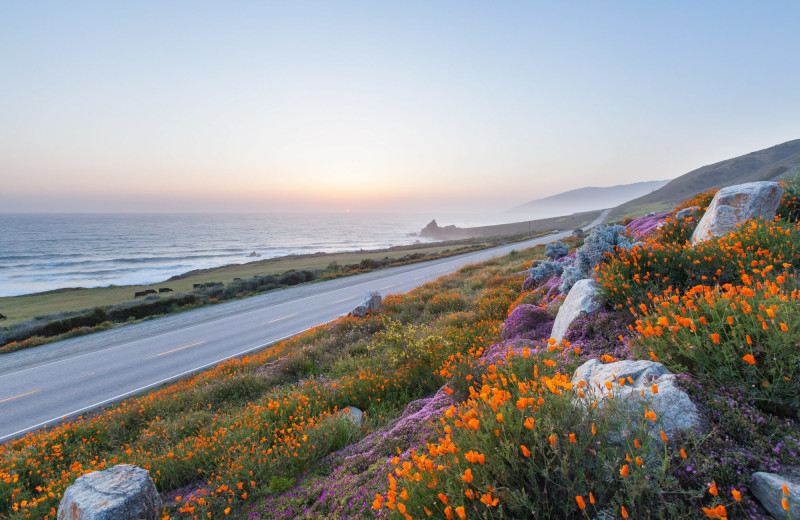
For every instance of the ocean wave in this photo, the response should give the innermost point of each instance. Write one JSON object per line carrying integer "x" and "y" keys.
{"x": 44, "y": 252}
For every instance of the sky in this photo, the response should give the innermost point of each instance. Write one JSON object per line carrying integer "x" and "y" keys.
{"x": 378, "y": 105}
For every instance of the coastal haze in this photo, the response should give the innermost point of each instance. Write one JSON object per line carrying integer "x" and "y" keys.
{"x": 68, "y": 378}
{"x": 378, "y": 107}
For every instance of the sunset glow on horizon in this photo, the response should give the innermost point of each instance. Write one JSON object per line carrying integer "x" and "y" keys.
{"x": 334, "y": 106}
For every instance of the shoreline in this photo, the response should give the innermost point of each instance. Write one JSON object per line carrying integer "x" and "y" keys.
{"x": 26, "y": 306}
{"x": 66, "y": 299}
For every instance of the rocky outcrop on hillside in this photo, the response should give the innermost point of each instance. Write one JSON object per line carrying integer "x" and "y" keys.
{"x": 582, "y": 298}
{"x": 372, "y": 302}
{"x": 640, "y": 385}
{"x": 736, "y": 204}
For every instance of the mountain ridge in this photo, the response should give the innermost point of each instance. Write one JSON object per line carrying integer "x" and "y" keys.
{"x": 769, "y": 164}
{"x": 590, "y": 197}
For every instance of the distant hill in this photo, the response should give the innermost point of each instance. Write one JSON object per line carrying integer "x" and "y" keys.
{"x": 775, "y": 163}
{"x": 587, "y": 199}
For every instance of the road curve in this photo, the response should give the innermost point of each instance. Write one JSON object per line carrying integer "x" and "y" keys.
{"x": 43, "y": 385}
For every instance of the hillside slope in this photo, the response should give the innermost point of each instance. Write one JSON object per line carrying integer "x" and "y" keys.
{"x": 590, "y": 198}
{"x": 774, "y": 163}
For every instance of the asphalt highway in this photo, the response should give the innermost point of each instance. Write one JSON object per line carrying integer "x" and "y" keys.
{"x": 44, "y": 385}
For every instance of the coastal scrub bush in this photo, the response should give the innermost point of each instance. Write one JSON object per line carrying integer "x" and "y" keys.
{"x": 743, "y": 336}
{"x": 604, "y": 240}
{"x": 296, "y": 277}
{"x": 555, "y": 250}
{"x": 406, "y": 343}
{"x": 545, "y": 270}
{"x": 569, "y": 277}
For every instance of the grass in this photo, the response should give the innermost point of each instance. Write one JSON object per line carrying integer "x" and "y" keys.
{"x": 19, "y": 308}
{"x": 466, "y": 417}
{"x": 231, "y": 431}
{"x": 24, "y": 307}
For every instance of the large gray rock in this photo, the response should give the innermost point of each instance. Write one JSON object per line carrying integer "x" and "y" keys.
{"x": 372, "y": 301}
{"x": 768, "y": 489}
{"x": 124, "y": 492}
{"x": 736, "y": 204}
{"x": 583, "y": 297}
{"x": 673, "y": 408}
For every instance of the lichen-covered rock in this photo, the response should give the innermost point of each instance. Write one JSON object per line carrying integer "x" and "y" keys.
{"x": 583, "y": 297}
{"x": 124, "y": 492}
{"x": 372, "y": 301}
{"x": 768, "y": 489}
{"x": 736, "y": 204}
{"x": 354, "y": 414}
{"x": 672, "y": 406}
{"x": 686, "y": 212}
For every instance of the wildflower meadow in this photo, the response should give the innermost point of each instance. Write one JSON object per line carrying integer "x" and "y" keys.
{"x": 470, "y": 409}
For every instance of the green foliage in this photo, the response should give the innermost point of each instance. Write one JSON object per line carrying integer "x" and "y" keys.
{"x": 512, "y": 451}
{"x": 278, "y": 484}
{"x": 650, "y": 268}
{"x": 743, "y": 336}
{"x": 789, "y": 209}
{"x": 406, "y": 343}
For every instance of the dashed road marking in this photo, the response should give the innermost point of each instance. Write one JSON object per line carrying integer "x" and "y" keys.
{"x": 20, "y": 395}
{"x": 177, "y": 349}
{"x": 279, "y": 319}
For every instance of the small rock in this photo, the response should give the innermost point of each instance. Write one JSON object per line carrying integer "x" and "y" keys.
{"x": 736, "y": 204}
{"x": 354, "y": 414}
{"x": 372, "y": 302}
{"x": 686, "y": 212}
{"x": 124, "y": 492}
{"x": 768, "y": 489}
{"x": 672, "y": 406}
{"x": 583, "y": 297}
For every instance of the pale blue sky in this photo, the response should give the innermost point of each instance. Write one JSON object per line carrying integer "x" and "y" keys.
{"x": 266, "y": 106}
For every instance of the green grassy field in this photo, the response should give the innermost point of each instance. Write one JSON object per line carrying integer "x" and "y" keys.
{"x": 19, "y": 308}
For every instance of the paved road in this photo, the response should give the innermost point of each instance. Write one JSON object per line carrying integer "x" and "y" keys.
{"x": 40, "y": 386}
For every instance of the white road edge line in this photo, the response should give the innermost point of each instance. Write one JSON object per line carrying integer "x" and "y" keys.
{"x": 73, "y": 413}
{"x": 187, "y": 372}
{"x": 94, "y": 352}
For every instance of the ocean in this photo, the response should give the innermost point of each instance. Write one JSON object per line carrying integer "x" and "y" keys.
{"x": 42, "y": 252}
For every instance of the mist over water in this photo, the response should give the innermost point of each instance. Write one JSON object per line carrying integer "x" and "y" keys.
{"x": 42, "y": 252}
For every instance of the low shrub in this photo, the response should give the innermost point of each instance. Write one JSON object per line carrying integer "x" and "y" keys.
{"x": 789, "y": 208}
{"x": 555, "y": 250}
{"x": 528, "y": 322}
{"x": 652, "y": 267}
{"x": 741, "y": 336}
{"x": 519, "y": 446}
